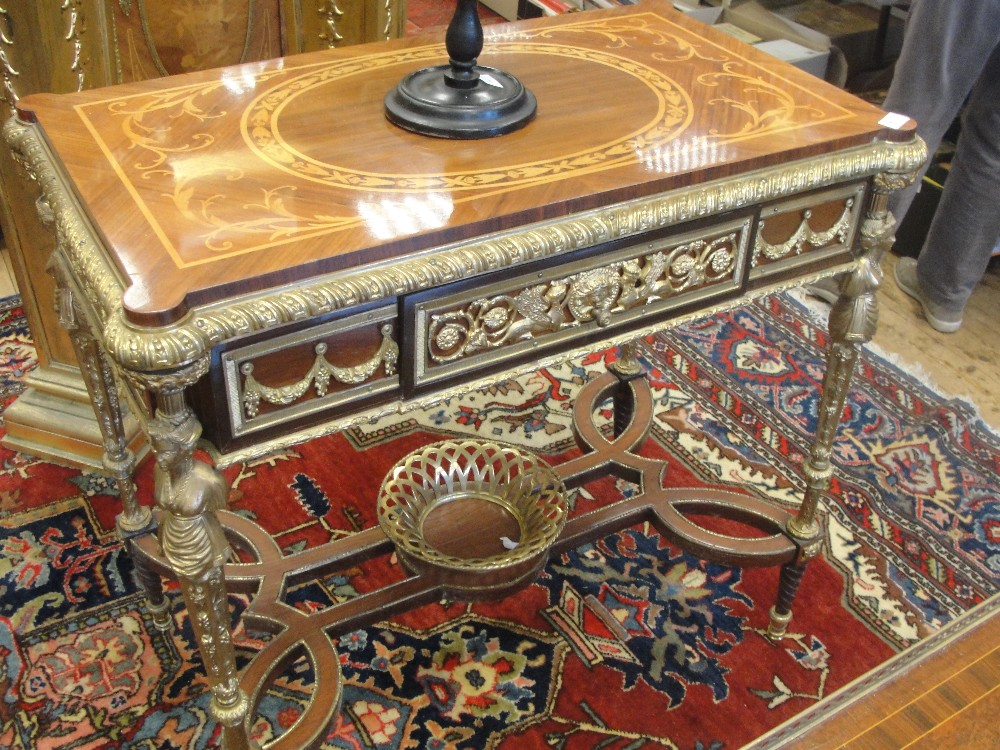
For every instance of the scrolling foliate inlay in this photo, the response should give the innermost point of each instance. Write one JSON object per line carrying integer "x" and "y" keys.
{"x": 674, "y": 113}
{"x": 763, "y": 107}
{"x": 753, "y": 105}
{"x": 318, "y": 376}
{"x": 595, "y": 295}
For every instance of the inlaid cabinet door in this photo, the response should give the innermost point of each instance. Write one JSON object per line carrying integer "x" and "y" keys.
{"x": 149, "y": 38}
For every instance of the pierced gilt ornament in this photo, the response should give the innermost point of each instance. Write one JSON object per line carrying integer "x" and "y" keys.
{"x": 517, "y": 505}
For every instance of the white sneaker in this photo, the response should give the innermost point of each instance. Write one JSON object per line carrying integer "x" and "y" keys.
{"x": 827, "y": 289}
{"x": 941, "y": 318}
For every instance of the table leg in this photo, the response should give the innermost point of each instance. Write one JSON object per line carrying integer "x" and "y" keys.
{"x": 626, "y": 368}
{"x": 853, "y": 321}
{"x": 189, "y": 492}
{"x": 119, "y": 460}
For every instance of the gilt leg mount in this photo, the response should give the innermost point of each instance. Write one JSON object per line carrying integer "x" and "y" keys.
{"x": 119, "y": 461}
{"x": 98, "y": 376}
{"x": 189, "y": 493}
{"x": 853, "y": 320}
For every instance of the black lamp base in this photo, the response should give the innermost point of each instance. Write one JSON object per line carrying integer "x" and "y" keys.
{"x": 461, "y": 99}
{"x": 426, "y": 103}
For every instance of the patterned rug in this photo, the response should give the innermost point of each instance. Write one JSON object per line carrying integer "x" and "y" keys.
{"x": 623, "y": 644}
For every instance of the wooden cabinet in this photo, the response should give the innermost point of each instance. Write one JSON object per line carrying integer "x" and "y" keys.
{"x": 70, "y": 45}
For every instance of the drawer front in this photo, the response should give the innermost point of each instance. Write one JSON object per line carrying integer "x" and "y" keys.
{"x": 463, "y": 329}
{"x": 318, "y": 370}
{"x": 806, "y": 230}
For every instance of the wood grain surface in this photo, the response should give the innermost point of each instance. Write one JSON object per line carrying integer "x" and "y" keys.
{"x": 244, "y": 178}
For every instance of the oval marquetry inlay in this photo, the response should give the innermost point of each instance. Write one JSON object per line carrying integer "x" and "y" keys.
{"x": 660, "y": 111}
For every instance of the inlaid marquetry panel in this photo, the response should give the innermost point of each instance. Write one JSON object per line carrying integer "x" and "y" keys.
{"x": 477, "y": 326}
{"x": 806, "y": 229}
{"x": 151, "y": 38}
{"x": 72, "y": 45}
{"x": 297, "y": 375}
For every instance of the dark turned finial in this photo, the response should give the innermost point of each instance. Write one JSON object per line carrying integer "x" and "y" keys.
{"x": 464, "y": 42}
{"x": 462, "y": 99}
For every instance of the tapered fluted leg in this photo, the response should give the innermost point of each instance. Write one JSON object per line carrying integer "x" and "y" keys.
{"x": 119, "y": 460}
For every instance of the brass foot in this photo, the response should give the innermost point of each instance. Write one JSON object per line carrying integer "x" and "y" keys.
{"x": 160, "y": 614}
{"x": 779, "y": 624}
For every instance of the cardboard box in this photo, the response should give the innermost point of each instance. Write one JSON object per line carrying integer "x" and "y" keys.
{"x": 801, "y": 57}
{"x": 869, "y": 39}
{"x": 504, "y": 8}
{"x": 814, "y": 52}
{"x": 703, "y": 13}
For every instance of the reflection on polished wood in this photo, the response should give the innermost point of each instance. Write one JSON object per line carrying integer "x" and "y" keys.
{"x": 262, "y": 258}
{"x": 299, "y": 202}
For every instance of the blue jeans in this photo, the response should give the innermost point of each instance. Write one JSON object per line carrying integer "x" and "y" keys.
{"x": 951, "y": 53}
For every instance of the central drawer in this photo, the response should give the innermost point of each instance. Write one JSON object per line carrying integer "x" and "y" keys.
{"x": 487, "y": 324}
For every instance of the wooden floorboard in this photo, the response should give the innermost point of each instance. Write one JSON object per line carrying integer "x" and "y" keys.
{"x": 965, "y": 363}
{"x": 941, "y": 693}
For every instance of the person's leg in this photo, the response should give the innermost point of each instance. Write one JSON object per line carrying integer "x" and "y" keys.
{"x": 945, "y": 50}
{"x": 966, "y": 226}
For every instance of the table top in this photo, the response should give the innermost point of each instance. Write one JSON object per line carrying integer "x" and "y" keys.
{"x": 215, "y": 184}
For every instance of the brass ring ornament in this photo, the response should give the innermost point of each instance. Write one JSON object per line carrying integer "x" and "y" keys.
{"x": 519, "y": 483}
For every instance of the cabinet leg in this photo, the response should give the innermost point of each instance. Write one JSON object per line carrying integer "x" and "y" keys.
{"x": 853, "y": 321}
{"x": 788, "y": 586}
{"x": 98, "y": 376}
{"x": 119, "y": 460}
{"x": 157, "y": 603}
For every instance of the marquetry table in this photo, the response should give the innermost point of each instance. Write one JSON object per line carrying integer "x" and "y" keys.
{"x": 254, "y": 256}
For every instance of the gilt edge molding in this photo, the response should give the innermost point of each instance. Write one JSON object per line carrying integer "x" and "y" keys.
{"x": 170, "y": 347}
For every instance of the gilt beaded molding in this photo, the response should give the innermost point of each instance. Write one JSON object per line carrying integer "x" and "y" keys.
{"x": 169, "y": 347}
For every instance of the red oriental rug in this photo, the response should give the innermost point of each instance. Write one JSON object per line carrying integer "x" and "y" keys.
{"x": 624, "y": 644}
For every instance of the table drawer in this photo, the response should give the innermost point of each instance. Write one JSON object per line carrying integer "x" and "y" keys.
{"x": 304, "y": 376}
{"x": 806, "y": 230}
{"x": 473, "y": 327}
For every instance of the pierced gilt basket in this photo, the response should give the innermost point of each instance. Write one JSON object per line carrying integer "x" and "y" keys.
{"x": 478, "y": 516}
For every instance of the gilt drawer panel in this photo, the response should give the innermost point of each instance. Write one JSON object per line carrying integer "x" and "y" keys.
{"x": 806, "y": 229}
{"x": 295, "y": 376}
{"x": 463, "y": 329}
